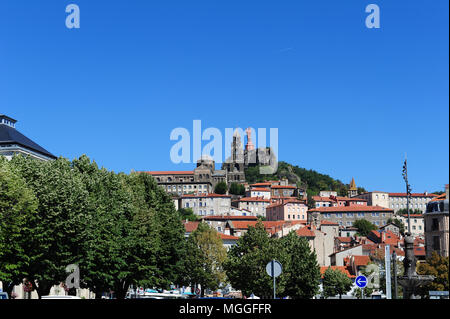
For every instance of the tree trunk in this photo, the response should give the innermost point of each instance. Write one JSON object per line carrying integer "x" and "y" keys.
{"x": 42, "y": 289}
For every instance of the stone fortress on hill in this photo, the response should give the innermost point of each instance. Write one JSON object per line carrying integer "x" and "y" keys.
{"x": 205, "y": 176}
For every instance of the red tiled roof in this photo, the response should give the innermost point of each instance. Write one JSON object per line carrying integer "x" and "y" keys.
{"x": 305, "y": 232}
{"x": 211, "y": 195}
{"x": 322, "y": 199}
{"x": 221, "y": 217}
{"x": 227, "y": 237}
{"x": 280, "y": 186}
{"x": 170, "y": 173}
{"x": 389, "y": 237}
{"x": 340, "y": 268}
{"x": 261, "y": 184}
{"x": 357, "y": 208}
{"x": 419, "y": 251}
{"x": 412, "y": 195}
{"x": 352, "y": 199}
{"x": 439, "y": 197}
{"x": 288, "y": 201}
{"x": 260, "y": 189}
{"x": 418, "y": 241}
{"x": 254, "y": 199}
{"x": 361, "y": 260}
{"x": 190, "y": 226}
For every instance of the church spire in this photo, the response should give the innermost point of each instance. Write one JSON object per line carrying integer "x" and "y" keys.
{"x": 353, "y": 190}
{"x": 353, "y": 185}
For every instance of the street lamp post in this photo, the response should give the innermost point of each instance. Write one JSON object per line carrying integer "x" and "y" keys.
{"x": 408, "y": 193}
{"x": 410, "y": 280}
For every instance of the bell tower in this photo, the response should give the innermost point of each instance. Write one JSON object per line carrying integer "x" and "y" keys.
{"x": 353, "y": 190}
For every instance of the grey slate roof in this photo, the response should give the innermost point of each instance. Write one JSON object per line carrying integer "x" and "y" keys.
{"x": 9, "y": 135}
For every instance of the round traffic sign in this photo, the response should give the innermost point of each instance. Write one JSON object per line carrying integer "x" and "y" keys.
{"x": 274, "y": 268}
{"x": 361, "y": 281}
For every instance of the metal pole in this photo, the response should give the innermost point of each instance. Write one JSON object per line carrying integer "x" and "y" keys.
{"x": 274, "y": 282}
{"x": 407, "y": 195}
{"x": 394, "y": 257}
{"x": 387, "y": 266}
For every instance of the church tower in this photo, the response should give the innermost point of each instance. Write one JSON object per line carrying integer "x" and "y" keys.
{"x": 353, "y": 190}
{"x": 235, "y": 165}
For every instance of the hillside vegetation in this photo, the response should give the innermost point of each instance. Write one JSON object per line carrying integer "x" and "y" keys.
{"x": 313, "y": 181}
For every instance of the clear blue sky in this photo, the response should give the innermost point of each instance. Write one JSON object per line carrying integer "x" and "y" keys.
{"x": 348, "y": 101}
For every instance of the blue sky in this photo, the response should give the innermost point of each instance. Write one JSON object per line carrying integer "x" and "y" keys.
{"x": 348, "y": 101}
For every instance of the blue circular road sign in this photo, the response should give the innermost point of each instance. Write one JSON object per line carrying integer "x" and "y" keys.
{"x": 361, "y": 281}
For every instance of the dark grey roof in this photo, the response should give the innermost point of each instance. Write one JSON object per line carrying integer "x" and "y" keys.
{"x": 9, "y": 135}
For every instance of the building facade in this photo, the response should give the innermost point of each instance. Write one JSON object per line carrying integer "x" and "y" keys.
{"x": 206, "y": 204}
{"x": 288, "y": 211}
{"x": 417, "y": 201}
{"x": 255, "y": 205}
{"x": 12, "y": 142}
{"x": 437, "y": 225}
{"x": 417, "y": 224}
{"x": 376, "y": 198}
{"x": 345, "y": 216}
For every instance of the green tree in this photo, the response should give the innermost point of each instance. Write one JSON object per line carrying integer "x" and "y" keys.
{"x": 205, "y": 259}
{"x": 335, "y": 282}
{"x": 436, "y": 266}
{"x": 301, "y": 268}
{"x": 364, "y": 227}
{"x": 133, "y": 234}
{"x": 237, "y": 189}
{"x": 247, "y": 260}
{"x": 17, "y": 208}
{"x": 221, "y": 188}
{"x": 62, "y": 200}
{"x": 187, "y": 214}
{"x": 404, "y": 211}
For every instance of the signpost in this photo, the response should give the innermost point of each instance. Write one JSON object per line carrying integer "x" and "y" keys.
{"x": 274, "y": 269}
{"x": 361, "y": 282}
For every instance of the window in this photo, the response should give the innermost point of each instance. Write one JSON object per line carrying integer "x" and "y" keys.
{"x": 435, "y": 225}
{"x": 436, "y": 243}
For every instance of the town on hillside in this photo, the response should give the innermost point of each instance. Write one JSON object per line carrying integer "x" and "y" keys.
{"x": 347, "y": 233}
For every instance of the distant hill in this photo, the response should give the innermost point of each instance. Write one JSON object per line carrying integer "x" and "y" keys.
{"x": 313, "y": 181}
